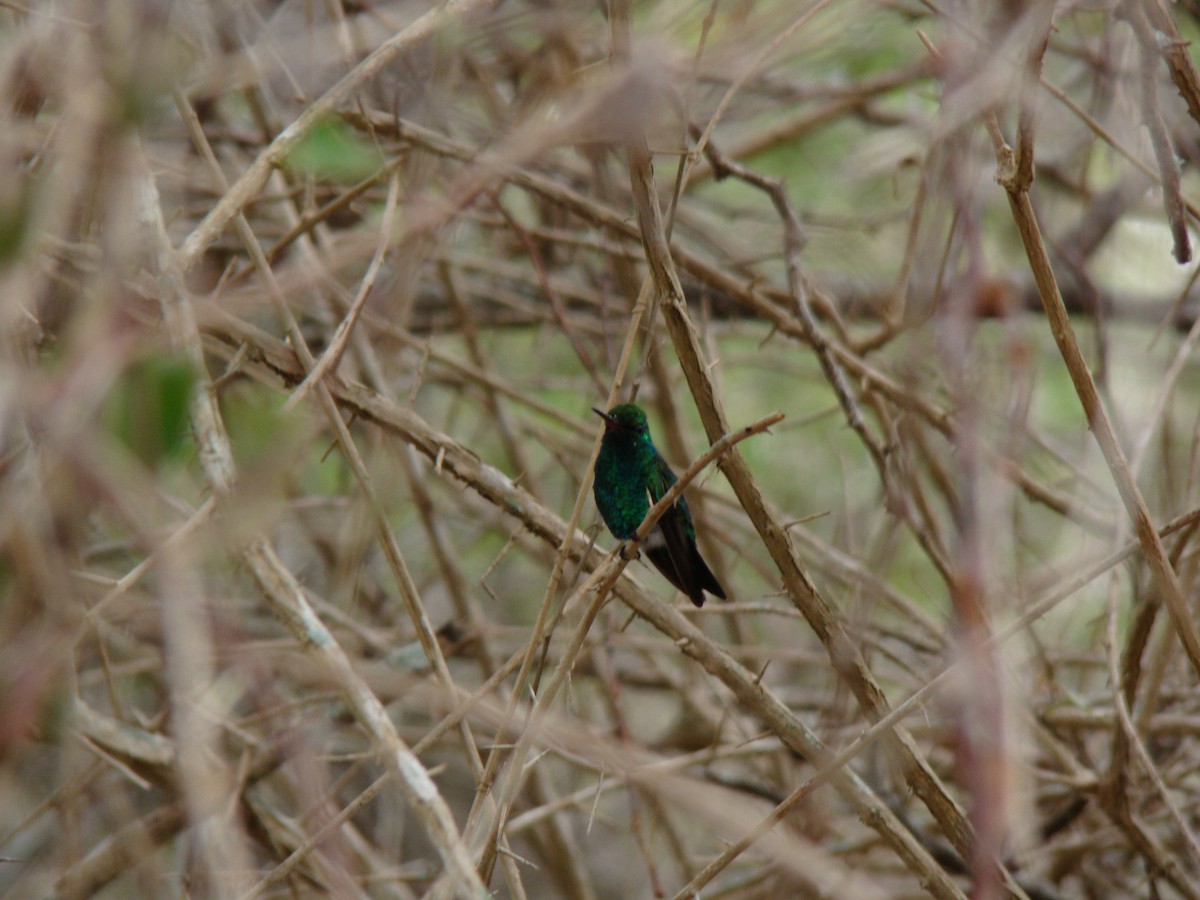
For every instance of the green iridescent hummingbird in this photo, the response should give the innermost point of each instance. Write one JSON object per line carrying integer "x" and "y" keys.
{"x": 630, "y": 476}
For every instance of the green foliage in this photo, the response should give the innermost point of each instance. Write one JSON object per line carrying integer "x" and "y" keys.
{"x": 15, "y": 217}
{"x": 266, "y": 441}
{"x": 333, "y": 152}
{"x": 148, "y": 410}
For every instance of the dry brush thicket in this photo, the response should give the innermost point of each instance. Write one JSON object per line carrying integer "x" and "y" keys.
{"x": 305, "y": 305}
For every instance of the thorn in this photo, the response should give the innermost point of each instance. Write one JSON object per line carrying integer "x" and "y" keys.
{"x": 933, "y": 51}
{"x": 763, "y": 671}
{"x": 522, "y": 860}
{"x": 795, "y": 522}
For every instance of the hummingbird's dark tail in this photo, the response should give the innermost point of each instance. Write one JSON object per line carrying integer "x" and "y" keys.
{"x": 708, "y": 580}
{"x": 687, "y": 570}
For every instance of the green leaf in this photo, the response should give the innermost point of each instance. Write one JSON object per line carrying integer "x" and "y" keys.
{"x": 148, "y": 411}
{"x": 16, "y": 215}
{"x": 332, "y": 151}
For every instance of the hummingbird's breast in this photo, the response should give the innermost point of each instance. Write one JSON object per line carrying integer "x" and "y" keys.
{"x": 620, "y": 489}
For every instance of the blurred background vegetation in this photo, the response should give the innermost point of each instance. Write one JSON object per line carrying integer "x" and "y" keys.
{"x": 247, "y": 614}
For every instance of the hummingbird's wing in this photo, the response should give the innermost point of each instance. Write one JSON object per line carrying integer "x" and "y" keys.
{"x": 667, "y": 549}
{"x": 671, "y": 547}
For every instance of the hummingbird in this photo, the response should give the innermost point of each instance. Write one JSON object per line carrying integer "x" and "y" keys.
{"x": 630, "y": 476}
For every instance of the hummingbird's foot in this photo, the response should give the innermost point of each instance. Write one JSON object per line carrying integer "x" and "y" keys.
{"x": 628, "y": 552}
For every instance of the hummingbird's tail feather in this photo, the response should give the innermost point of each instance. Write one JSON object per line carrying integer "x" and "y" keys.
{"x": 708, "y": 580}
{"x": 665, "y": 563}
{"x": 674, "y": 554}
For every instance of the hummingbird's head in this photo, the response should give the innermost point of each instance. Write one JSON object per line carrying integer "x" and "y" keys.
{"x": 626, "y": 418}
